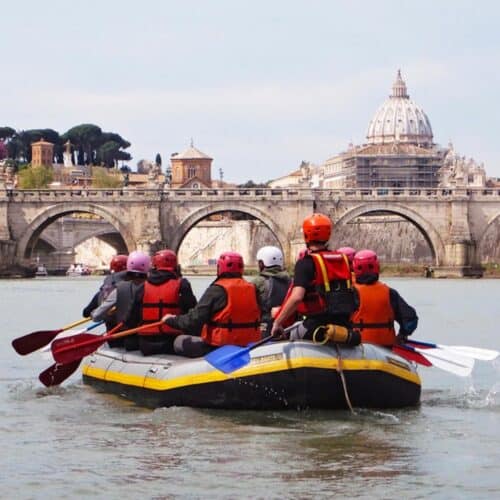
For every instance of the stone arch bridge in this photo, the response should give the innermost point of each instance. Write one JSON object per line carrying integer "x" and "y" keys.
{"x": 453, "y": 221}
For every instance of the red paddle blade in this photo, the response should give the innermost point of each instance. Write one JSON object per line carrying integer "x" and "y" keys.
{"x": 76, "y": 347}
{"x": 411, "y": 355}
{"x": 58, "y": 373}
{"x": 34, "y": 341}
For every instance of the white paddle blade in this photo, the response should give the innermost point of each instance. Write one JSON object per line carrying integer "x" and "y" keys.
{"x": 475, "y": 352}
{"x": 449, "y": 361}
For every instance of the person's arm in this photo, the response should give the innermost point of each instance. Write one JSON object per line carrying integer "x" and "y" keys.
{"x": 404, "y": 314}
{"x": 101, "y": 312}
{"x": 214, "y": 299}
{"x": 91, "y": 305}
{"x": 187, "y": 299}
{"x": 289, "y": 307}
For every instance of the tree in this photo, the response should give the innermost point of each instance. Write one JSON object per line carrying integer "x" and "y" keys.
{"x": 3, "y": 150}
{"x": 35, "y": 177}
{"x": 7, "y": 133}
{"x": 86, "y": 139}
{"x": 252, "y": 184}
{"x": 158, "y": 159}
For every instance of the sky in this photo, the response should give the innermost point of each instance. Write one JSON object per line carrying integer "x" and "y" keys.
{"x": 260, "y": 86}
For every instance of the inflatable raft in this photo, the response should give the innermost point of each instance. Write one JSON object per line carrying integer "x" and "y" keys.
{"x": 279, "y": 375}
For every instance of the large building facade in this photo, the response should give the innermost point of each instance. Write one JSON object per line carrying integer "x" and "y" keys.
{"x": 399, "y": 151}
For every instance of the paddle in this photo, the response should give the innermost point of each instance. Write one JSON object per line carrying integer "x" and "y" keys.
{"x": 230, "y": 358}
{"x": 78, "y": 346}
{"x": 471, "y": 352}
{"x": 448, "y": 361}
{"x": 33, "y": 341}
{"x": 411, "y": 355}
{"x": 59, "y": 372}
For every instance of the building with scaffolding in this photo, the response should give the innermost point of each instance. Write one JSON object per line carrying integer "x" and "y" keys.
{"x": 399, "y": 152}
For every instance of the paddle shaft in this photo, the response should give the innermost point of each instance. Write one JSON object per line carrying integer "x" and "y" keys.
{"x": 70, "y": 349}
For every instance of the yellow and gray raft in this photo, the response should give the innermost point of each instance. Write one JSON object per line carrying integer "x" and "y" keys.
{"x": 280, "y": 375}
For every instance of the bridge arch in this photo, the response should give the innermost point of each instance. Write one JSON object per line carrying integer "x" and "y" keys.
{"x": 202, "y": 213}
{"x": 44, "y": 219}
{"x": 429, "y": 233}
{"x": 483, "y": 238}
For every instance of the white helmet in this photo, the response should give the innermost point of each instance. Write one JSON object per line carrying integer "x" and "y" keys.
{"x": 270, "y": 256}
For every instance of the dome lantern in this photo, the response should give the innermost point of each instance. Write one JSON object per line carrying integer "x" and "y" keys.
{"x": 400, "y": 120}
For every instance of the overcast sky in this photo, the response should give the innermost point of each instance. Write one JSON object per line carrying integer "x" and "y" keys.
{"x": 258, "y": 85}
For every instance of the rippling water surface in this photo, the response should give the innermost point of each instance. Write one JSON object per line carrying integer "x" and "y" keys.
{"x": 73, "y": 442}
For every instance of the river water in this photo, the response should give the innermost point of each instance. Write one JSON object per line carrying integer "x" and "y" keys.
{"x": 72, "y": 442}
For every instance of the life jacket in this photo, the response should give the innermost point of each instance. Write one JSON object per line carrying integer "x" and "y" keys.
{"x": 238, "y": 323}
{"x": 331, "y": 291}
{"x": 375, "y": 317}
{"x": 157, "y": 301}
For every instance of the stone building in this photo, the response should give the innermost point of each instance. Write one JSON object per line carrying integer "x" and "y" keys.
{"x": 191, "y": 169}
{"x": 42, "y": 153}
{"x": 399, "y": 151}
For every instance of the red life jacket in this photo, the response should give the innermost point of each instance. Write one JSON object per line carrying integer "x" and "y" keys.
{"x": 157, "y": 301}
{"x": 375, "y": 317}
{"x": 239, "y": 322}
{"x": 331, "y": 290}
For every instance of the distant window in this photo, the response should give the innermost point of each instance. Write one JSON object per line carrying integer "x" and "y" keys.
{"x": 191, "y": 172}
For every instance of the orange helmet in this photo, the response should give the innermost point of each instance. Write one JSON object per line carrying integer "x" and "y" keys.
{"x": 317, "y": 227}
{"x": 118, "y": 263}
{"x": 165, "y": 260}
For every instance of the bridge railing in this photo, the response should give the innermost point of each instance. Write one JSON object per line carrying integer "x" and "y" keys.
{"x": 289, "y": 193}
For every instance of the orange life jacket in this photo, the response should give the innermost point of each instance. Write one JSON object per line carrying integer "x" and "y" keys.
{"x": 375, "y": 316}
{"x": 239, "y": 322}
{"x": 157, "y": 301}
{"x": 331, "y": 291}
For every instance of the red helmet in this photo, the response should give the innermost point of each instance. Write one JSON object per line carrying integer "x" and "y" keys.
{"x": 230, "y": 262}
{"x": 365, "y": 262}
{"x": 349, "y": 252}
{"x": 317, "y": 227}
{"x": 165, "y": 260}
{"x": 118, "y": 263}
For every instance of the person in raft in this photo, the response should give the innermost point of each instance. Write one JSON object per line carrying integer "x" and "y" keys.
{"x": 227, "y": 313}
{"x": 123, "y": 303}
{"x": 118, "y": 272}
{"x": 272, "y": 283}
{"x": 349, "y": 252}
{"x": 322, "y": 291}
{"x": 379, "y": 305}
{"x": 165, "y": 292}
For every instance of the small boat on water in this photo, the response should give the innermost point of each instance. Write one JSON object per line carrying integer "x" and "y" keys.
{"x": 78, "y": 270}
{"x": 41, "y": 270}
{"x": 280, "y": 375}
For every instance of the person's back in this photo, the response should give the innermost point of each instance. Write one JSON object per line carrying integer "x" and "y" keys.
{"x": 272, "y": 283}
{"x": 118, "y": 272}
{"x": 164, "y": 293}
{"x": 322, "y": 290}
{"x": 123, "y": 303}
{"x": 379, "y": 305}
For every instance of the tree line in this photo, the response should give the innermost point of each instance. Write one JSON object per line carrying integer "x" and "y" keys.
{"x": 90, "y": 145}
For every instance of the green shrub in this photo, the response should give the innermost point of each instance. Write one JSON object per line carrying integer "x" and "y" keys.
{"x": 104, "y": 178}
{"x": 35, "y": 177}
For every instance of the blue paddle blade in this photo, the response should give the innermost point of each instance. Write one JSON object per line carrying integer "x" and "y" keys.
{"x": 229, "y": 358}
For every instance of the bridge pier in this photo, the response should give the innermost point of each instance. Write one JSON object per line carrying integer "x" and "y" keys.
{"x": 460, "y": 256}
{"x": 459, "y": 261}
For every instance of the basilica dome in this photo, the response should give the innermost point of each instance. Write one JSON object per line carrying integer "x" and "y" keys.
{"x": 399, "y": 119}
